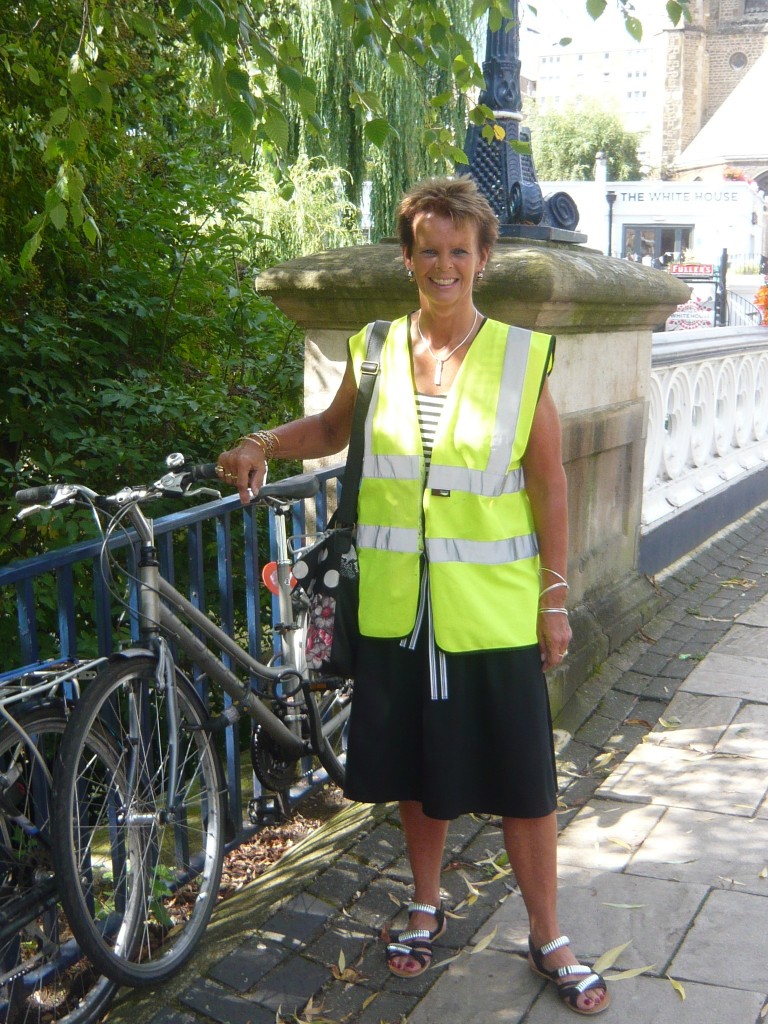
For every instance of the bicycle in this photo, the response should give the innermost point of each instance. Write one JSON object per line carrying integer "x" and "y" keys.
{"x": 43, "y": 975}
{"x": 138, "y": 822}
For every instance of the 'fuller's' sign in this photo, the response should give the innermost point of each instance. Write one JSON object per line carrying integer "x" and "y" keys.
{"x": 692, "y": 269}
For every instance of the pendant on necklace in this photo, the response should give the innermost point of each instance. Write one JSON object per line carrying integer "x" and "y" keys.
{"x": 437, "y": 379}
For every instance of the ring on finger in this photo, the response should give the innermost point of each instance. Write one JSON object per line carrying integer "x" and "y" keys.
{"x": 220, "y": 470}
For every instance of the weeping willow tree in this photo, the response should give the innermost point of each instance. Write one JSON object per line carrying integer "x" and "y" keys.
{"x": 375, "y": 112}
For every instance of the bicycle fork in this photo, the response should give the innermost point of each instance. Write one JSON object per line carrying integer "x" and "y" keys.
{"x": 165, "y": 681}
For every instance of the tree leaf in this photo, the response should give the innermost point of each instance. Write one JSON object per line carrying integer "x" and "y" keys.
{"x": 291, "y": 77}
{"x": 635, "y": 27}
{"x": 633, "y": 972}
{"x": 484, "y": 942}
{"x": 58, "y": 215}
{"x": 378, "y": 130}
{"x": 621, "y": 842}
{"x": 677, "y": 986}
{"x": 470, "y": 885}
{"x": 212, "y": 11}
{"x": 31, "y": 246}
{"x": 276, "y": 127}
{"x": 609, "y": 959}
{"x": 237, "y": 78}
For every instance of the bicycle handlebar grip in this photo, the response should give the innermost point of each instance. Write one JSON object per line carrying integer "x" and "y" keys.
{"x": 35, "y": 495}
{"x": 203, "y": 471}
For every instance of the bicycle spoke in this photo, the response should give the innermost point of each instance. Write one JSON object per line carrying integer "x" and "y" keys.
{"x": 144, "y": 874}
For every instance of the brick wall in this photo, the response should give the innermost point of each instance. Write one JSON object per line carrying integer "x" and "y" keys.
{"x": 705, "y": 62}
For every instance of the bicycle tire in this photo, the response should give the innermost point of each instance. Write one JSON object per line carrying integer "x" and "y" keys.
{"x": 139, "y": 885}
{"x": 44, "y": 977}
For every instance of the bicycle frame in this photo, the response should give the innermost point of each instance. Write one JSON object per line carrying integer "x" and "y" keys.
{"x": 159, "y": 602}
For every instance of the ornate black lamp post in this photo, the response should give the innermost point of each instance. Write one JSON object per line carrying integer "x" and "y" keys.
{"x": 502, "y": 168}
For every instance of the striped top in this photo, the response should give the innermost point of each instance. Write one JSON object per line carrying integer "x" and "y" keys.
{"x": 428, "y": 409}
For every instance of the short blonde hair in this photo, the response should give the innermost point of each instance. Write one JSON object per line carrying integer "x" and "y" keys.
{"x": 458, "y": 198}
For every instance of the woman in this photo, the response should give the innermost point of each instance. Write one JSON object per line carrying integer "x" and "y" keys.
{"x": 462, "y": 545}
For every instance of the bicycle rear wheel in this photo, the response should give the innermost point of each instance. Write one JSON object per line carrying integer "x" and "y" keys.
{"x": 43, "y": 975}
{"x": 139, "y": 878}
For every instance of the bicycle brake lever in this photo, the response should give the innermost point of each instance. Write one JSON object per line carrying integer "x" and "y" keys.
{"x": 205, "y": 490}
{"x": 63, "y": 496}
{"x": 29, "y": 510}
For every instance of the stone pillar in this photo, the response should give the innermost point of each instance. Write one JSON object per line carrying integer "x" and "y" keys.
{"x": 603, "y": 312}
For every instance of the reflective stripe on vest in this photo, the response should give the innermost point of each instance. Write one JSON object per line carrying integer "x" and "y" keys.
{"x": 387, "y": 538}
{"x": 473, "y": 519}
{"x": 475, "y": 481}
{"x": 482, "y": 552}
{"x": 392, "y": 467}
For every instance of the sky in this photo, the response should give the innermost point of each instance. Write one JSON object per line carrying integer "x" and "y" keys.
{"x": 543, "y": 23}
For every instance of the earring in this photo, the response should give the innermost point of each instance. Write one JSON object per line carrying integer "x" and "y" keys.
{"x": 480, "y": 275}
{"x": 410, "y": 275}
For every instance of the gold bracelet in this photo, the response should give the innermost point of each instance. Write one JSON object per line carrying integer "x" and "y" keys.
{"x": 267, "y": 440}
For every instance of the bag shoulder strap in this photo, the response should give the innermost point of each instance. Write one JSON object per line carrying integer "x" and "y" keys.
{"x": 347, "y": 510}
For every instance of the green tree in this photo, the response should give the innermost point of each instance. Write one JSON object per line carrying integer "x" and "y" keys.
{"x": 565, "y": 145}
{"x": 78, "y": 78}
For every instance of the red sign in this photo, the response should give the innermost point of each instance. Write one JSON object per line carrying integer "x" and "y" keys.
{"x": 692, "y": 269}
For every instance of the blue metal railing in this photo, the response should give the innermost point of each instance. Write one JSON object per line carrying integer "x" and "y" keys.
{"x": 74, "y": 575}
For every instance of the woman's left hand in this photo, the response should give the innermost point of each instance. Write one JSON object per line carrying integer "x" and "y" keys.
{"x": 554, "y": 632}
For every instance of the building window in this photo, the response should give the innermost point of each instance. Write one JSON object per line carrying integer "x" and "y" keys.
{"x": 738, "y": 60}
{"x": 656, "y": 245}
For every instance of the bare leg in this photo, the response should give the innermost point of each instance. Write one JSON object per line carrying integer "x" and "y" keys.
{"x": 425, "y": 840}
{"x": 531, "y": 845}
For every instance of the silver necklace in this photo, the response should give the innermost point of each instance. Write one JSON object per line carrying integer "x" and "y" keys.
{"x": 439, "y": 360}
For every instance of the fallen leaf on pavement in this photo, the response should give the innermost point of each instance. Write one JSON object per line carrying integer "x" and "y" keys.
{"x": 621, "y": 842}
{"x": 484, "y": 942}
{"x": 609, "y": 959}
{"x": 677, "y": 986}
{"x": 633, "y": 972}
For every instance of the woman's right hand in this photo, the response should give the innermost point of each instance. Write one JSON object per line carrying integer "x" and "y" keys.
{"x": 243, "y": 467}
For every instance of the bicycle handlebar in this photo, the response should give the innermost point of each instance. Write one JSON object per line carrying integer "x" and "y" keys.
{"x": 203, "y": 471}
{"x": 306, "y": 485}
{"x": 177, "y": 482}
{"x": 35, "y": 495}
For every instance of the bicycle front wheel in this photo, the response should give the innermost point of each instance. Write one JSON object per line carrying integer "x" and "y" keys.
{"x": 43, "y": 975}
{"x": 139, "y": 869}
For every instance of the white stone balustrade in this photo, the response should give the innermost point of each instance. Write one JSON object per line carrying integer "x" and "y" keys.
{"x": 708, "y": 416}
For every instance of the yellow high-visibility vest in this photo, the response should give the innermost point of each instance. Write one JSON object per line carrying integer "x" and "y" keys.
{"x": 472, "y": 517}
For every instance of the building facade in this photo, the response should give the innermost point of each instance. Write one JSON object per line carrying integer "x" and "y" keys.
{"x": 670, "y": 85}
{"x": 662, "y": 222}
{"x": 705, "y": 61}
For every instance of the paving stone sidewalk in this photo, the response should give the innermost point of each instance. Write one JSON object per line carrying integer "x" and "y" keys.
{"x": 663, "y": 770}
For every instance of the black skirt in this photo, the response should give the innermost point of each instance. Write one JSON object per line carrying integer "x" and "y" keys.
{"x": 485, "y": 748}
